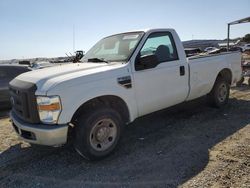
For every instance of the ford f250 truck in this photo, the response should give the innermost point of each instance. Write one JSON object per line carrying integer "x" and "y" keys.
{"x": 121, "y": 78}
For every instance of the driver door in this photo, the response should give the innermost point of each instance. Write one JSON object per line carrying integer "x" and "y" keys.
{"x": 166, "y": 83}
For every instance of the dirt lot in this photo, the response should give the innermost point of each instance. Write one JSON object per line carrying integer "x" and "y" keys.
{"x": 191, "y": 145}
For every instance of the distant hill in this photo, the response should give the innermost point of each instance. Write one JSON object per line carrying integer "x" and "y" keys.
{"x": 202, "y": 44}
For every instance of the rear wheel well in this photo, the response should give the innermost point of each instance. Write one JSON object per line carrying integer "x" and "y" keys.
{"x": 225, "y": 74}
{"x": 111, "y": 101}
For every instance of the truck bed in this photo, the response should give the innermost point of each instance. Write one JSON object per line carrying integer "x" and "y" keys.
{"x": 204, "y": 55}
{"x": 205, "y": 68}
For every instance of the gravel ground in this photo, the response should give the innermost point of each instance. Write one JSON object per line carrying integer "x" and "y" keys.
{"x": 190, "y": 145}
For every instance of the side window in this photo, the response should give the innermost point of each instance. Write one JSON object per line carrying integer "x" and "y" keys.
{"x": 161, "y": 45}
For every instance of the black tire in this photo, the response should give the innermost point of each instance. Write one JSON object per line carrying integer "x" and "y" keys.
{"x": 85, "y": 133}
{"x": 215, "y": 98}
{"x": 240, "y": 82}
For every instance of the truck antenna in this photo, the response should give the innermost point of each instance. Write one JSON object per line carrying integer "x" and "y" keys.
{"x": 73, "y": 38}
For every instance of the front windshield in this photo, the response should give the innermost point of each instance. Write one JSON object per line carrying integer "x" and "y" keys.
{"x": 114, "y": 48}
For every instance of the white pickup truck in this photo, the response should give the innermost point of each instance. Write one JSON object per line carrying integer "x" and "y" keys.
{"x": 121, "y": 78}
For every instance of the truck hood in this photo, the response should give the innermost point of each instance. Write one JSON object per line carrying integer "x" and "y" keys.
{"x": 48, "y": 77}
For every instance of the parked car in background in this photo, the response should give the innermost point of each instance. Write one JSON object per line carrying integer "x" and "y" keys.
{"x": 235, "y": 49}
{"x": 192, "y": 51}
{"x": 7, "y": 73}
{"x": 42, "y": 65}
{"x": 46, "y": 64}
{"x": 245, "y": 47}
{"x": 208, "y": 49}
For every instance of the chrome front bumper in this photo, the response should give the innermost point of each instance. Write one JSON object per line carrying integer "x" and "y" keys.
{"x": 42, "y": 134}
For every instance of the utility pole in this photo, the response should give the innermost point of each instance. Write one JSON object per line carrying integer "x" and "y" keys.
{"x": 228, "y": 36}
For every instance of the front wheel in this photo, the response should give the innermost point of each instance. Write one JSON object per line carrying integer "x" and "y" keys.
{"x": 97, "y": 133}
{"x": 219, "y": 95}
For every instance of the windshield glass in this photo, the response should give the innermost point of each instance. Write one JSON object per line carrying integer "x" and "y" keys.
{"x": 114, "y": 48}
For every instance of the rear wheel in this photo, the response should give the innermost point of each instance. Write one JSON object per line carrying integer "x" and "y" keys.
{"x": 219, "y": 95}
{"x": 97, "y": 133}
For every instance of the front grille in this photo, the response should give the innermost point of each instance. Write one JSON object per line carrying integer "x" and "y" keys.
{"x": 23, "y": 100}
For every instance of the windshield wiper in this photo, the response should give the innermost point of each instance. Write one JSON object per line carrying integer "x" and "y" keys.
{"x": 95, "y": 60}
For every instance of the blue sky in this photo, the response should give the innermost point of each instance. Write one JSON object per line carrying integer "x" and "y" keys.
{"x": 44, "y": 28}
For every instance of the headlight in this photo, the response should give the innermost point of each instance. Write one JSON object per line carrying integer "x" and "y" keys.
{"x": 49, "y": 108}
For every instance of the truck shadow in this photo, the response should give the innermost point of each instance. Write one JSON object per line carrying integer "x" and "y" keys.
{"x": 165, "y": 148}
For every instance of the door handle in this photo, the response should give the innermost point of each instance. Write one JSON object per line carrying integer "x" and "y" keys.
{"x": 182, "y": 70}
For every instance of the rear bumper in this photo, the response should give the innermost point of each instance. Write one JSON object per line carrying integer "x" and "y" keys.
{"x": 42, "y": 134}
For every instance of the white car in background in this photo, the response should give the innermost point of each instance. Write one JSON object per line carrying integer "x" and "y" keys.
{"x": 209, "y": 49}
{"x": 245, "y": 47}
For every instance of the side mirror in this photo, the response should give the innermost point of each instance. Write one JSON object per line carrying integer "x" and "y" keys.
{"x": 146, "y": 62}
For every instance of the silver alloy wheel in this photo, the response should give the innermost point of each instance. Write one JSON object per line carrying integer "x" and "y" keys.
{"x": 222, "y": 92}
{"x": 103, "y": 134}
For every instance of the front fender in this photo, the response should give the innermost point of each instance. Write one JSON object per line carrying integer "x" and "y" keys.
{"x": 73, "y": 97}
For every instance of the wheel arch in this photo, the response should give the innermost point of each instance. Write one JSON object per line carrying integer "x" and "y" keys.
{"x": 112, "y": 101}
{"x": 225, "y": 73}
